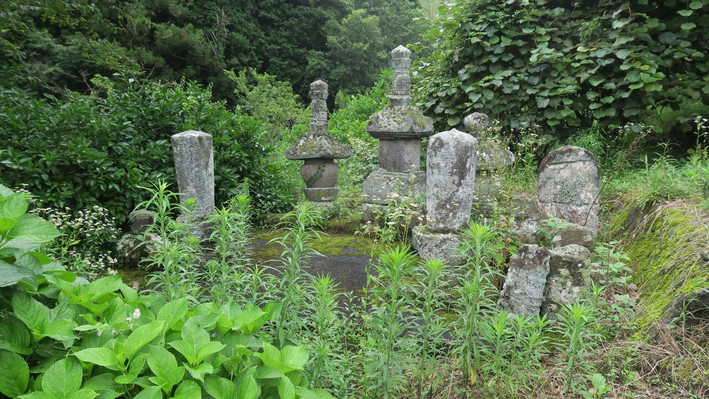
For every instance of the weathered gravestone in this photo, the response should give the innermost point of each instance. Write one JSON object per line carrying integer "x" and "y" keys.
{"x": 194, "y": 167}
{"x": 569, "y": 185}
{"x": 492, "y": 157}
{"x": 569, "y": 277}
{"x": 526, "y": 280}
{"x": 318, "y": 149}
{"x": 450, "y": 181}
{"x": 399, "y": 128}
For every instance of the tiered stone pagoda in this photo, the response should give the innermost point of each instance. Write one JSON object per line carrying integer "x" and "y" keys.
{"x": 319, "y": 149}
{"x": 399, "y": 128}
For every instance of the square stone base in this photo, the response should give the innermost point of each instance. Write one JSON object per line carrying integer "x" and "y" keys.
{"x": 321, "y": 194}
{"x": 380, "y": 188}
{"x": 443, "y": 246}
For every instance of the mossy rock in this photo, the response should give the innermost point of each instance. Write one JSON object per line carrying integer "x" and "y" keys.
{"x": 665, "y": 247}
{"x": 328, "y": 245}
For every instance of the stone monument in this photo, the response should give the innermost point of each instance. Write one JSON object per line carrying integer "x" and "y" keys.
{"x": 399, "y": 128}
{"x": 194, "y": 166}
{"x": 569, "y": 185}
{"x": 450, "y": 181}
{"x": 526, "y": 280}
{"x": 318, "y": 149}
{"x": 492, "y": 157}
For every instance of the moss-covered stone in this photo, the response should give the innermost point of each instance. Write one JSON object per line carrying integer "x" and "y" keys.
{"x": 329, "y": 245}
{"x": 665, "y": 247}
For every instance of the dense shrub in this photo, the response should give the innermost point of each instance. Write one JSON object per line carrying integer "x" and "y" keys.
{"x": 86, "y": 151}
{"x": 563, "y": 65}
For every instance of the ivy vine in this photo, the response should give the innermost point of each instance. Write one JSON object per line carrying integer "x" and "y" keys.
{"x": 564, "y": 65}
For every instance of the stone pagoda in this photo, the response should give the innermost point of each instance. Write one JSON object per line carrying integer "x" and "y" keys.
{"x": 399, "y": 128}
{"x": 318, "y": 149}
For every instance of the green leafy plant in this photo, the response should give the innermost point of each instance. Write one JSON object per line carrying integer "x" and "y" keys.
{"x": 599, "y": 387}
{"x": 85, "y": 244}
{"x": 301, "y": 226}
{"x": 21, "y": 235}
{"x": 576, "y": 322}
{"x": 175, "y": 260}
{"x": 561, "y": 65}
{"x": 386, "y": 349}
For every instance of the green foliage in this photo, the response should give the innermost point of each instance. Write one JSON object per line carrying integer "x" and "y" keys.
{"x": 85, "y": 245}
{"x": 87, "y": 151}
{"x": 268, "y": 100}
{"x": 21, "y": 235}
{"x": 348, "y": 124}
{"x": 578, "y": 338}
{"x": 563, "y": 66}
{"x": 61, "y": 337}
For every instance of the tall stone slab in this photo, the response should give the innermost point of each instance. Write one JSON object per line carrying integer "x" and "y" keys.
{"x": 318, "y": 149}
{"x": 450, "y": 181}
{"x": 399, "y": 128}
{"x": 194, "y": 166}
{"x": 569, "y": 185}
{"x": 523, "y": 291}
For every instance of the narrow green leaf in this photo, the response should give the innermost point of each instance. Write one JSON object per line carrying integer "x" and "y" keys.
{"x": 14, "y": 374}
{"x": 688, "y": 26}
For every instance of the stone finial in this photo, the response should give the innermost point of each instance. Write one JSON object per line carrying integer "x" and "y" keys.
{"x": 401, "y": 82}
{"x": 318, "y": 107}
{"x": 476, "y": 123}
{"x": 318, "y": 143}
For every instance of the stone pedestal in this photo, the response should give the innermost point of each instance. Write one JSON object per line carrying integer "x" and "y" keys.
{"x": 569, "y": 277}
{"x": 399, "y": 127}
